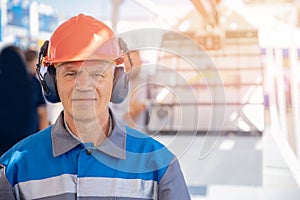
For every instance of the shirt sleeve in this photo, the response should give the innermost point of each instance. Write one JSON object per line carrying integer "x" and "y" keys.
{"x": 6, "y": 190}
{"x": 172, "y": 185}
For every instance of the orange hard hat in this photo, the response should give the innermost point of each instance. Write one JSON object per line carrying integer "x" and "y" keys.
{"x": 82, "y": 38}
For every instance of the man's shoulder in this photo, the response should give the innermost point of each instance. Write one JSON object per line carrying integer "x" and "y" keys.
{"x": 138, "y": 139}
{"x": 37, "y": 138}
{"x": 136, "y": 135}
{"x": 144, "y": 148}
{"x": 33, "y": 143}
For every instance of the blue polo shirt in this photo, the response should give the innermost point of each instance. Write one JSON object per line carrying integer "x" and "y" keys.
{"x": 52, "y": 164}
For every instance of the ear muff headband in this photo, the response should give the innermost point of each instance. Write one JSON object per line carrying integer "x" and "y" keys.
{"x": 43, "y": 53}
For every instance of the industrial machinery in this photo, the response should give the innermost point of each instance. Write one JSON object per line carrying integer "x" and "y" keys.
{"x": 217, "y": 87}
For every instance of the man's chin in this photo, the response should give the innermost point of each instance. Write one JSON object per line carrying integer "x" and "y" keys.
{"x": 81, "y": 118}
{"x": 87, "y": 114}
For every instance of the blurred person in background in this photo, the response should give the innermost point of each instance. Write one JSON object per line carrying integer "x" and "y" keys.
{"x": 16, "y": 114}
{"x": 40, "y": 116}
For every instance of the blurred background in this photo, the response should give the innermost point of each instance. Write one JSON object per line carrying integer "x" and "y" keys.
{"x": 222, "y": 92}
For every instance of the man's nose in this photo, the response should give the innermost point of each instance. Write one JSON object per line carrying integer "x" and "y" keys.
{"x": 83, "y": 82}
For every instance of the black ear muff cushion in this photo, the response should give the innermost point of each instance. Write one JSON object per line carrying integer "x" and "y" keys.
{"x": 49, "y": 77}
{"x": 120, "y": 85}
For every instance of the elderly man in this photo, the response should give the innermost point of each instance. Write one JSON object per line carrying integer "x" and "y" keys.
{"x": 87, "y": 153}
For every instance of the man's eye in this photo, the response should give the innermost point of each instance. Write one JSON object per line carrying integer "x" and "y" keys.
{"x": 97, "y": 75}
{"x": 70, "y": 74}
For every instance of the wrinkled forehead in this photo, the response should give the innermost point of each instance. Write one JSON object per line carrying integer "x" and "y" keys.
{"x": 100, "y": 65}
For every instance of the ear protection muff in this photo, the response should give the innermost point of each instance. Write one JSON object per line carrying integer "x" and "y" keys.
{"x": 120, "y": 85}
{"x": 121, "y": 78}
{"x": 48, "y": 81}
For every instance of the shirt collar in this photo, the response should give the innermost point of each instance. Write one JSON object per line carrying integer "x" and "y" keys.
{"x": 77, "y": 138}
{"x": 114, "y": 145}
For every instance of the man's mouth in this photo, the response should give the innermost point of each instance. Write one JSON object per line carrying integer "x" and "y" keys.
{"x": 84, "y": 99}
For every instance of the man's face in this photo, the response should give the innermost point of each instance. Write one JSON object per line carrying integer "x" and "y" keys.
{"x": 85, "y": 88}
